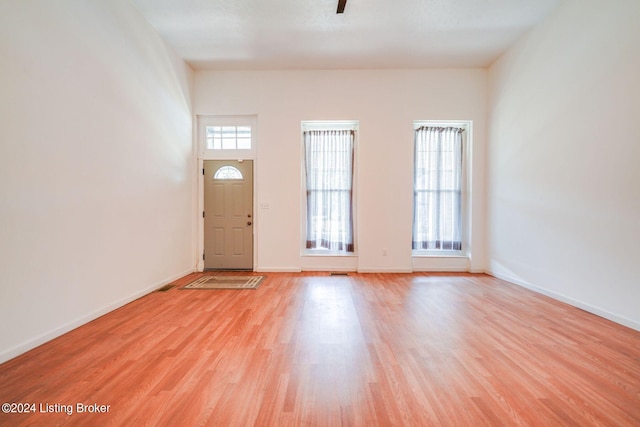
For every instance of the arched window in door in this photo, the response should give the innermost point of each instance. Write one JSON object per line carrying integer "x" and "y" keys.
{"x": 227, "y": 172}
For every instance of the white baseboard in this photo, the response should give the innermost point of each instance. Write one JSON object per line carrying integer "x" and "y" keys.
{"x": 384, "y": 270}
{"x": 325, "y": 269}
{"x": 366, "y": 270}
{"x": 278, "y": 270}
{"x": 41, "y": 339}
{"x": 571, "y": 301}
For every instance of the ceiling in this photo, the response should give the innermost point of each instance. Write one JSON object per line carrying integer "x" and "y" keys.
{"x": 308, "y": 34}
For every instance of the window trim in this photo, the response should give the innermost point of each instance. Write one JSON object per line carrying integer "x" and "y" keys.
{"x": 467, "y": 141}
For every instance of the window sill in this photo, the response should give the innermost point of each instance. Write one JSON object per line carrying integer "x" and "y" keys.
{"x": 439, "y": 254}
{"x": 328, "y": 254}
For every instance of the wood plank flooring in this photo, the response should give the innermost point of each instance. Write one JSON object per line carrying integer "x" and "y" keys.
{"x": 317, "y": 350}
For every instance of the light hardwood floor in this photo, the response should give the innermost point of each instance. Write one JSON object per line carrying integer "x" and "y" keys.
{"x": 319, "y": 350}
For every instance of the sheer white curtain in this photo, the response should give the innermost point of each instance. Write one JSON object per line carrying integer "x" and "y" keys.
{"x": 329, "y": 181}
{"x": 437, "y": 218}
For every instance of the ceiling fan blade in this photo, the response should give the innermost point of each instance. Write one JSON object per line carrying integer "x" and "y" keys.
{"x": 341, "y": 6}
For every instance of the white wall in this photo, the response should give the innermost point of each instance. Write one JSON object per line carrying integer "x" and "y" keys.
{"x": 564, "y": 156}
{"x": 96, "y": 168}
{"x": 386, "y": 102}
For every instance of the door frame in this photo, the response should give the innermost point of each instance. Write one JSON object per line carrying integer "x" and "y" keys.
{"x": 203, "y": 154}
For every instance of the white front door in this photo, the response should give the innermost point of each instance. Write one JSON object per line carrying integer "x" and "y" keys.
{"x": 228, "y": 214}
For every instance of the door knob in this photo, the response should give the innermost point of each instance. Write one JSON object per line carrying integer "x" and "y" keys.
{"x": 248, "y": 222}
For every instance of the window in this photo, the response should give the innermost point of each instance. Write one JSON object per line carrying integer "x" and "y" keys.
{"x": 228, "y": 137}
{"x": 227, "y": 172}
{"x": 328, "y": 167}
{"x": 438, "y": 182}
